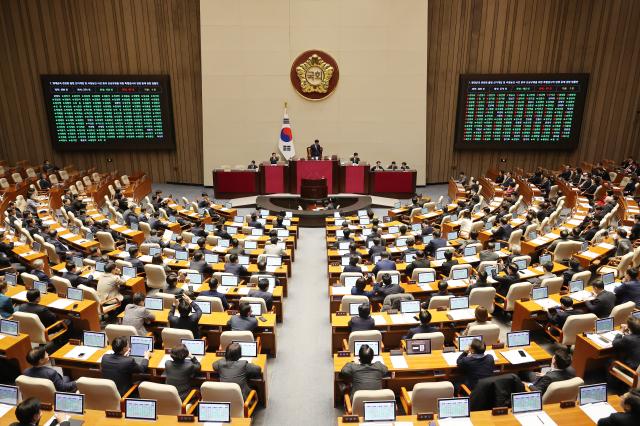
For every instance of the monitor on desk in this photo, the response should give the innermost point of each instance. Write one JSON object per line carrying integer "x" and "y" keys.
{"x": 538, "y": 293}
{"x": 9, "y": 327}
{"x": 94, "y": 339}
{"x": 416, "y": 227}
{"x": 533, "y": 235}
{"x": 204, "y": 305}
{"x": 453, "y": 217}
{"x": 426, "y": 277}
{"x": 339, "y": 232}
{"x": 211, "y": 258}
{"x": 635, "y": 314}
{"x": 410, "y": 306}
{"x": 497, "y": 247}
{"x": 140, "y": 409}
{"x": 350, "y": 281}
{"x": 209, "y": 228}
{"x": 465, "y": 341}
{"x": 395, "y": 279}
{"x": 354, "y": 308}
{"x": 224, "y": 243}
{"x": 154, "y": 250}
{"x": 88, "y": 236}
{"x": 128, "y": 246}
{"x": 608, "y": 278}
{"x": 521, "y": 264}
{"x": 470, "y": 251}
{"x": 256, "y": 308}
{"x": 408, "y": 258}
{"x": 545, "y": 258}
{"x": 440, "y": 253}
{"x": 575, "y": 286}
{"x": 77, "y": 260}
{"x": 604, "y": 325}
{"x": 518, "y": 338}
{"x": 196, "y": 347}
{"x": 461, "y": 302}
{"x": 460, "y": 274}
{"x": 364, "y": 221}
{"x": 214, "y": 412}
{"x": 154, "y": 303}
{"x": 393, "y": 230}
{"x": 453, "y": 408}
{"x": 264, "y": 212}
{"x": 452, "y": 235}
{"x": 36, "y": 246}
{"x": 257, "y": 232}
{"x": 397, "y": 205}
{"x": 68, "y": 403}
{"x": 139, "y": 345}
{"x": 524, "y": 402}
{"x": 248, "y": 349}
{"x": 8, "y": 395}
{"x": 75, "y": 294}
{"x": 373, "y": 344}
{"x": 129, "y": 272}
{"x": 229, "y": 280}
{"x": 362, "y": 213}
{"x": 401, "y": 242}
{"x": 592, "y": 394}
{"x": 488, "y": 226}
{"x": 344, "y": 245}
{"x": 274, "y": 261}
{"x": 250, "y": 245}
{"x": 365, "y": 233}
{"x": 584, "y": 247}
{"x": 100, "y": 266}
{"x": 238, "y": 219}
{"x": 41, "y": 286}
{"x": 244, "y": 260}
{"x": 282, "y": 233}
{"x": 232, "y": 230}
{"x": 379, "y": 411}
{"x": 427, "y": 239}
{"x": 11, "y": 279}
{"x": 418, "y": 346}
{"x": 182, "y": 255}
{"x": 194, "y": 278}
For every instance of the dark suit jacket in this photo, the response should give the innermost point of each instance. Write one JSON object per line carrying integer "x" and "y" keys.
{"x": 268, "y": 297}
{"x": 602, "y": 304}
{"x": 434, "y": 245}
{"x": 316, "y": 150}
{"x": 240, "y": 323}
{"x": 51, "y": 374}
{"x": 384, "y": 265}
{"x": 504, "y": 283}
{"x": 383, "y": 291}
{"x": 628, "y": 349}
{"x": 364, "y": 376}
{"x": 445, "y": 269}
{"x": 121, "y": 369}
{"x": 75, "y": 279}
{"x": 236, "y": 269}
{"x": 186, "y": 323}
{"x": 417, "y": 263}
{"x": 560, "y": 317}
{"x": 179, "y": 374}
{"x": 239, "y": 372}
{"x": 542, "y": 383}
{"x": 629, "y": 290}
{"x": 6, "y": 307}
{"x": 475, "y": 367}
{"x": 420, "y": 329}
{"x": 503, "y": 232}
{"x": 46, "y": 316}
{"x": 351, "y": 268}
{"x": 200, "y": 266}
{"x": 619, "y": 419}
{"x": 356, "y": 323}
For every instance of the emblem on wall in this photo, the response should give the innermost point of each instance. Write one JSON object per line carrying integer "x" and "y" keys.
{"x": 314, "y": 75}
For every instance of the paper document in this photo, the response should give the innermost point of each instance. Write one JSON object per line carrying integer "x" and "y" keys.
{"x": 534, "y": 418}
{"x": 340, "y": 291}
{"x": 527, "y": 273}
{"x": 581, "y": 295}
{"x": 590, "y": 254}
{"x": 399, "y": 361}
{"x": 61, "y": 303}
{"x": 457, "y": 283}
{"x": 403, "y": 319}
{"x": 606, "y": 246}
{"x": 603, "y": 340}
{"x": 461, "y": 314}
{"x": 471, "y": 259}
{"x": 106, "y": 353}
{"x": 164, "y": 359}
{"x": 598, "y": 410}
{"x": 380, "y": 320}
{"x": 515, "y": 358}
{"x": 20, "y": 296}
{"x": 81, "y": 352}
{"x": 4, "y": 409}
{"x": 460, "y": 421}
{"x": 451, "y": 357}
{"x": 243, "y": 291}
{"x": 611, "y": 287}
{"x": 547, "y": 303}
{"x": 272, "y": 268}
{"x": 145, "y": 258}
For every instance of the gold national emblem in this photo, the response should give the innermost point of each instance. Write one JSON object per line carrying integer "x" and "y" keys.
{"x": 314, "y": 74}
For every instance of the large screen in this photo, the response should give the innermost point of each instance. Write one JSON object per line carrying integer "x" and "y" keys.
{"x": 520, "y": 111}
{"x": 117, "y": 112}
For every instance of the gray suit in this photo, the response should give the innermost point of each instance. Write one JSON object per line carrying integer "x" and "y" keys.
{"x": 268, "y": 297}
{"x": 179, "y": 374}
{"x": 237, "y": 372}
{"x": 240, "y": 323}
{"x": 364, "y": 376}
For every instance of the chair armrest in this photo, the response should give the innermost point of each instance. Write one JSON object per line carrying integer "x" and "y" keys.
{"x": 499, "y": 296}
{"x": 347, "y": 404}
{"x": 455, "y": 338}
{"x": 558, "y": 337}
{"x": 113, "y": 299}
{"x": 345, "y": 345}
{"x": 55, "y": 335}
{"x": 259, "y": 344}
{"x": 631, "y": 372}
{"x": 192, "y": 395}
{"x": 405, "y": 400}
{"x": 403, "y": 344}
{"x": 464, "y": 390}
{"x": 250, "y": 403}
{"x": 526, "y": 387}
{"x": 127, "y": 395}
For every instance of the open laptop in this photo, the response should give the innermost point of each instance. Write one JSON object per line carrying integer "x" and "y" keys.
{"x": 100, "y": 266}
{"x": 11, "y": 279}
{"x": 452, "y": 235}
{"x": 154, "y": 250}
{"x": 373, "y": 344}
{"x": 256, "y": 309}
{"x": 8, "y": 395}
{"x": 426, "y": 277}
{"x": 408, "y": 258}
{"x": 194, "y": 278}
{"x": 75, "y": 294}
{"x": 353, "y": 308}
{"x": 9, "y": 327}
{"x": 350, "y": 281}
{"x": 196, "y": 347}
{"x": 577, "y": 291}
{"x": 211, "y": 258}
{"x": 592, "y": 400}
{"x": 460, "y": 274}
{"x": 527, "y": 407}
{"x": 545, "y": 258}
{"x": 138, "y": 345}
{"x": 521, "y": 264}
{"x": 231, "y": 230}
{"x": 204, "y": 305}
{"x": 401, "y": 242}
{"x": 605, "y": 332}
{"x": 214, "y": 412}
{"x": 609, "y": 281}
{"x": 154, "y": 303}
{"x": 72, "y": 403}
{"x": 393, "y": 230}
{"x": 470, "y": 251}
{"x": 461, "y": 302}
{"x": 182, "y": 255}
{"x": 379, "y": 411}
{"x": 248, "y": 350}
{"x": 129, "y": 272}
{"x": 250, "y": 245}
{"x": 41, "y": 286}
{"x": 244, "y": 260}
{"x": 410, "y": 307}
{"x": 229, "y": 281}
{"x": 453, "y": 408}
{"x": 518, "y": 338}
{"x": 140, "y": 409}
{"x": 94, "y": 339}
{"x": 465, "y": 341}
{"x": 418, "y": 346}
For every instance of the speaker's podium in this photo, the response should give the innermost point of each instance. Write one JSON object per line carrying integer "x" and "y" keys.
{"x": 313, "y": 188}
{"x": 327, "y": 169}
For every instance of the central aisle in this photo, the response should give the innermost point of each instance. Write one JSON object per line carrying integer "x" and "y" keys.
{"x": 300, "y": 379}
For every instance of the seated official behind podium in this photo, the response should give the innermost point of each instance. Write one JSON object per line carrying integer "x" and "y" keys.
{"x": 213, "y": 292}
{"x": 40, "y": 369}
{"x": 315, "y": 150}
{"x": 274, "y": 158}
{"x": 136, "y": 315}
{"x": 243, "y": 321}
{"x": 627, "y": 344}
{"x": 560, "y": 370}
{"x": 263, "y": 293}
{"x": 180, "y": 370}
{"x": 355, "y": 159}
{"x": 185, "y": 320}
{"x": 252, "y": 165}
{"x": 631, "y": 406}
{"x": 363, "y": 321}
{"x": 232, "y": 369}
{"x": 424, "y": 327}
{"x": 28, "y": 413}
{"x": 378, "y": 167}
{"x": 474, "y": 364}
{"x": 120, "y": 367}
{"x": 364, "y": 375}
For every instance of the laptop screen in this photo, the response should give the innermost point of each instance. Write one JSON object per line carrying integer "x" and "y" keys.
{"x": 470, "y": 250}
{"x": 94, "y": 339}
{"x": 211, "y": 258}
{"x": 452, "y": 235}
{"x": 194, "y": 278}
{"x": 459, "y": 302}
{"x": 460, "y": 274}
{"x": 283, "y": 232}
{"x": 401, "y": 242}
{"x": 592, "y": 394}
{"x": 154, "y": 250}
{"x": 440, "y": 254}
{"x": 426, "y": 277}
{"x": 229, "y": 280}
{"x": 232, "y": 230}
{"x": 350, "y": 281}
{"x": 524, "y": 402}
{"x": 545, "y": 258}
{"x": 182, "y": 255}
{"x": 539, "y": 293}
{"x": 575, "y": 286}
{"x": 418, "y": 346}
{"x": 11, "y": 279}
{"x": 604, "y": 325}
{"x": 465, "y": 341}
{"x": 196, "y": 346}
{"x": 248, "y": 349}
{"x": 8, "y": 395}
{"x": 453, "y": 408}
{"x": 208, "y": 227}
{"x": 223, "y": 243}
{"x": 533, "y": 235}
{"x": 41, "y": 286}
{"x": 215, "y": 412}
{"x": 140, "y": 344}
{"x": 608, "y": 278}
{"x": 373, "y": 344}
{"x": 410, "y": 307}
{"x": 344, "y": 245}
{"x": 379, "y": 411}
{"x": 353, "y": 308}
{"x": 250, "y": 245}
{"x": 518, "y": 338}
{"x": 416, "y": 227}
{"x": 154, "y": 303}
{"x": 244, "y": 260}
{"x": 69, "y": 402}
{"x": 128, "y": 272}
{"x": 393, "y": 230}
{"x": 395, "y": 279}
{"x": 409, "y": 257}
{"x": 204, "y": 305}
{"x": 274, "y": 261}
{"x": 77, "y": 260}
{"x": 256, "y": 308}
{"x": 364, "y": 221}
{"x": 490, "y": 269}
{"x": 143, "y": 409}
{"x": 238, "y": 219}
{"x": 497, "y": 247}
{"x": 75, "y": 294}
{"x": 521, "y": 264}
{"x": 9, "y": 327}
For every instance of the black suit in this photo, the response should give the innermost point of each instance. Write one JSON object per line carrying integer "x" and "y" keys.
{"x": 420, "y": 329}
{"x": 628, "y": 349}
{"x": 445, "y": 269}
{"x": 121, "y": 369}
{"x": 356, "y": 323}
{"x": 264, "y": 295}
{"x": 475, "y": 367}
{"x": 542, "y": 383}
{"x": 505, "y": 282}
{"x": 179, "y": 374}
{"x": 619, "y": 419}
{"x": 46, "y": 316}
{"x": 628, "y": 291}
{"x": 200, "y": 266}
{"x": 434, "y": 245}
{"x": 560, "y": 317}
{"x": 352, "y": 268}
{"x": 75, "y": 279}
{"x": 316, "y": 150}
{"x": 49, "y": 373}
{"x": 187, "y": 323}
{"x": 602, "y": 304}
{"x": 417, "y": 263}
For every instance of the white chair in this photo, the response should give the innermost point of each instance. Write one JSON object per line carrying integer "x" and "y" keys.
{"x": 516, "y": 292}
{"x": 565, "y": 249}
{"x": 563, "y": 390}
{"x": 359, "y": 397}
{"x": 490, "y": 333}
{"x": 436, "y": 337}
{"x": 621, "y": 312}
{"x": 424, "y": 396}
{"x": 369, "y": 335}
{"x": 28, "y": 280}
{"x": 228, "y": 337}
{"x": 573, "y": 326}
{"x": 38, "y": 334}
{"x": 554, "y": 285}
{"x": 90, "y": 293}
{"x": 156, "y": 276}
{"x": 118, "y": 330}
{"x": 439, "y": 302}
{"x": 61, "y": 285}
{"x": 106, "y": 241}
{"x": 515, "y": 240}
{"x": 101, "y": 394}
{"x": 483, "y": 296}
{"x": 417, "y": 271}
{"x": 584, "y": 276}
{"x": 216, "y": 303}
{"x": 231, "y": 393}
{"x": 348, "y": 299}
{"x": 32, "y": 387}
{"x": 169, "y": 402}
{"x": 172, "y": 337}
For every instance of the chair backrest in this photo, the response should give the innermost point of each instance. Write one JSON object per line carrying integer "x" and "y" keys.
{"x": 261, "y": 301}
{"x": 554, "y": 285}
{"x": 125, "y": 179}
{"x": 439, "y": 301}
{"x": 43, "y": 389}
{"x": 565, "y": 249}
{"x": 227, "y": 337}
{"x": 216, "y": 303}
{"x": 417, "y": 271}
{"x": 156, "y": 276}
{"x": 169, "y": 402}
{"x": 621, "y": 312}
{"x": 466, "y": 266}
{"x": 344, "y": 275}
{"x": 146, "y": 230}
{"x": 486, "y": 263}
{"x": 625, "y": 263}
{"x": 490, "y": 333}
{"x": 99, "y": 394}
{"x": 563, "y": 390}
{"x": 171, "y": 337}
{"x": 63, "y": 174}
{"x": 584, "y": 276}
{"x": 61, "y": 284}
{"x": 17, "y": 178}
{"x": 167, "y": 299}
{"x": 483, "y": 296}
{"x": 224, "y": 392}
{"x": 424, "y": 397}
{"x": 106, "y": 241}
{"x": 87, "y": 181}
{"x": 146, "y": 247}
{"x": 514, "y": 239}
{"x": 436, "y": 337}
{"x": 349, "y": 299}
{"x": 361, "y": 396}
{"x": 575, "y": 325}
{"x": 391, "y": 273}
{"x": 392, "y": 301}
{"x": 30, "y": 324}
{"x": 117, "y": 330}
{"x": 218, "y": 275}
{"x": 4, "y": 183}
{"x": 523, "y": 257}
{"x": 28, "y": 279}
{"x": 516, "y": 292}
{"x": 371, "y": 335}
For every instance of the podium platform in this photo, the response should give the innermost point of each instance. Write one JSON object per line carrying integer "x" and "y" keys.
{"x": 314, "y": 169}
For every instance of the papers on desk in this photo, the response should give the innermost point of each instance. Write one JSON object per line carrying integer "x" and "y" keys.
{"x": 590, "y": 254}
{"x": 340, "y": 291}
{"x": 145, "y": 258}
{"x": 527, "y": 273}
{"x": 538, "y": 241}
{"x": 581, "y": 295}
{"x": 457, "y": 283}
{"x": 243, "y": 291}
{"x": 603, "y": 340}
{"x": 81, "y": 352}
{"x": 436, "y": 263}
{"x": 272, "y": 268}
{"x": 598, "y": 410}
{"x": 515, "y": 358}
{"x": 606, "y": 246}
{"x": 461, "y": 314}
{"x": 4, "y": 409}
{"x": 20, "y": 296}
{"x": 2, "y": 336}
{"x": 379, "y": 320}
{"x": 123, "y": 255}
{"x": 61, "y": 303}
{"x": 68, "y": 235}
{"x": 547, "y": 303}
{"x": 471, "y": 259}
{"x": 403, "y": 319}
{"x": 451, "y": 357}
{"x": 611, "y": 287}
{"x": 343, "y": 252}
{"x": 460, "y": 421}
{"x": 399, "y": 361}
{"x": 28, "y": 253}
{"x": 534, "y": 418}
{"x": 574, "y": 222}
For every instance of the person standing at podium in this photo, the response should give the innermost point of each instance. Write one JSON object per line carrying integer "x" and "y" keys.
{"x": 274, "y": 158}
{"x": 316, "y": 150}
{"x": 355, "y": 159}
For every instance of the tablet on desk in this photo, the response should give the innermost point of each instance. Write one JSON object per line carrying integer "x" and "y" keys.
{"x": 379, "y": 411}
{"x": 465, "y": 341}
{"x": 453, "y": 408}
{"x": 139, "y": 345}
{"x": 9, "y": 327}
{"x": 154, "y": 303}
{"x": 518, "y": 338}
{"x": 248, "y": 349}
{"x": 196, "y": 347}
{"x": 219, "y": 412}
{"x": 373, "y": 344}
{"x": 140, "y": 409}
{"x": 94, "y": 339}
{"x": 418, "y": 346}
{"x": 8, "y": 395}
{"x": 72, "y": 403}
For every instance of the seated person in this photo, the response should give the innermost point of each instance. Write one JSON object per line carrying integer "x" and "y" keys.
{"x": 172, "y": 285}
{"x": 479, "y": 282}
{"x": 199, "y": 264}
{"x": 33, "y": 306}
{"x": 233, "y": 267}
{"x": 364, "y": 375}
{"x": 133, "y": 259}
{"x": 353, "y": 265}
{"x": 232, "y": 369}
{"x": 631, "y": 406}
{"x": 272, "y": 248}
{"x": 603, "y": 302}
{"x": 558, "y": 316}
{"x": 547, "y": 268}
{"x": 627, "y": 345}
{"x": 482, "y": 318}
{"x": 235, "y": 247}
{"x": 263, "y": 293}
{"x": 39, "y": 359}
{"x": 136, "y": 315}
{"x": 185, "y": 319}
{"x": 387, "y": 288}
{"x": 443, "y": 289}
{"x": 384, "y": 264}
{"x": 120, "y": 367}
{"x": 108, "y": 287}
{"x": 28, "y": 413}
{"x": 560, "y": 370}
{"x": 474, "y": 364}
{"x": 359, "y": 288}
{"x": 503, "y": 283}
{"x": 629, "y": 290}
{"x": 73, "y": 275}
{"x": 424, "y": 327}
{"x": 377, "y": 167}
{"x": 213, "y": 292}
{"x": 419, "y": 261}
{"x": 252, "y": 165}
{"x": 244, "y": 320}
{"x": 180, "y": 370}
{"x": 38, "y": 271}
{"x": 363, "y": 321}
{"x": 449, "y": 262}
{"x": 6, "y": 306}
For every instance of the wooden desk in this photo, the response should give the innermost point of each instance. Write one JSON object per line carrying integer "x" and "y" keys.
{"x": 588, "y": 355}
{"x": 523, "y": 312}
{"x": 15, "y": 349}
